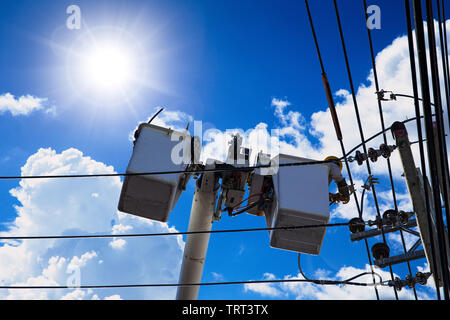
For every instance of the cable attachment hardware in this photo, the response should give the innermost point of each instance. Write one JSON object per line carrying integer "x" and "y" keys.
{"x": 384, "y": 151}
{"x": 360, "y": 157}
{"x": 381, "y": 95}
{"x": 372, "y": 154}
{"x": 196, "y": 168}
{"x": 370, "y": 181}
{"x": 391, "y": 218}
{"x": 344, "y": 197}
{"x": 420, "y": 278}
{"x": 394, "y": 218}
{"x": 337, "y": 197}
{"x": 356, "y": 225}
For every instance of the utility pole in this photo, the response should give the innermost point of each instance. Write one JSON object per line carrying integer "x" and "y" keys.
{"x": 426, "y": 219}
{"x": 431, "y": 150}
{"x": 196, "y": 245}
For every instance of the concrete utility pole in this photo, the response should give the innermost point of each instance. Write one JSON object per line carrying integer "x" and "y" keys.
{"x": 416, "y": 190}
{"x": 197, "y": 244}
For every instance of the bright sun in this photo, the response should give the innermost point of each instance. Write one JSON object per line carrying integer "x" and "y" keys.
{"x": 108, "y": 67}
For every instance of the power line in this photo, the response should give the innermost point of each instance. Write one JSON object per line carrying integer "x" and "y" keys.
{"x": 440, "y": 148}
{"x": 318, "y": 281}
{"x": 169, "y": 233}
{"x": 444, "y": 60}
{"x": 337, "y": 129}
{"x": 322, "y": 282}
{"x": 444, "y": 22}
{"x": 155, "y": 115}
{"x": 378, "y": 134}
{"x": 380, "y": 111}
{"x": 424, "y": 81}
{"x": 195, "y": 171}
{"x": 358, "y": 119}
{"x": 204, "y": 170}
{"x": 416, "y": 98}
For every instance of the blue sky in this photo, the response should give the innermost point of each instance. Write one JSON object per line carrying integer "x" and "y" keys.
{"x": 225, "y": 63}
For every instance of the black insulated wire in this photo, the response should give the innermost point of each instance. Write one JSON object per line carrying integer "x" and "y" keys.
{"x": 331, "y": 104}
{"x": 150, "y": 285}
{"x": 383, "y": 127}
{"x": 197, "y": 171}
{"x": 320, "y": 281}
{"x": 444, "y": 22}
{"x": 47, "y": 237}
{"x": 419, "y": 133}
{"x": 431, "y": 152}
{"x": 444, "y": 62}
{"x": 355, "y": 104}
{"x": 378, "y": 134}
{"x": 442, "y": 126}
{"x": 440, "y": 149}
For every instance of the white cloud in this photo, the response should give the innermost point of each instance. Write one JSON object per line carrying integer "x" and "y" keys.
{"x": 310, "y": 291}
{"x": 265, "y": 289}
{"x": 117, "y": 244}
{"x": 217, "y": 276}
{"x": 113, "y": 297}
{"x": 292, "y": 119}
{"x": 77, "y": 294}
{"x": 81, "y": 261}
{"x": 22, "y": 105}
{"x": 66, "y": 206}
{"x": 119, "y": 228}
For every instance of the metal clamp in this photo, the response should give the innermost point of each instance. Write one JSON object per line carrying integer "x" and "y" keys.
{"x": 420, "y": 278}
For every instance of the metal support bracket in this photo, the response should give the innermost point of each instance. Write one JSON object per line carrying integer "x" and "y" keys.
{"x": 376, "y": 232}
{"x": 414, "y": 255}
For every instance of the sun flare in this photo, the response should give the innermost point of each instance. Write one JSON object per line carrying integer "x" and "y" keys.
{"x": 108, "y": 67}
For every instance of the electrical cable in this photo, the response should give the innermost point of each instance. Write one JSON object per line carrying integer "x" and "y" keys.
{"x": 444, "y": 61}
{"x": 409, "y": 96}
{"x": 337, "y": 129}
{"x": 378, "y": 134}
{"x": 319, "y": 281}
{"x": 300, "y": 267}
{"x": 155, "y": 115}
{"x": 362, "y": 203}
{"x": 3, "y": 238}
{"x": 440, "y": 120}
{"x": 380, "y": 111}
{"x": 247, "y": 199}
{"x": 444, "y": 23}
{"x": 414, "y": 81}
{"x": 355, "y": 104}
{"x": 251, "y": 206}
{"x": 431, "y": 152}
{"x": 438, "y": 158}
{"x": 197, "y": 171}
{"x": 325, "y": 282}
